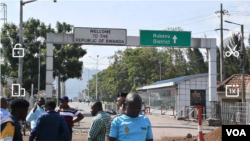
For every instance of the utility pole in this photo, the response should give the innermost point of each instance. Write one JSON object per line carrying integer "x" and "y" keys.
{"x": 160, "y": 65}
{"x": 96, "y": 74}
{"x": 97, "y": 70}
{"x": 88, "y": 84}
{"x": 242, "y": 58}
{"x": 20, "y": 61}
{"x": 222, "y": 68}
{"x": 243, "y": 64}
{"x": 39, "y": 63}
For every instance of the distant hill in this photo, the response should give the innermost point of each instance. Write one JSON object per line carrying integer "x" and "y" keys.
{"x": 73, "y": 86}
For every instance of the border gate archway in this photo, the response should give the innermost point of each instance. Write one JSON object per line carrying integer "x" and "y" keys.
{"x": 207, "y": 43}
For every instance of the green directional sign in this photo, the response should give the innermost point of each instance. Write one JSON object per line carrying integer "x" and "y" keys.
{"x": 165, "y": 38}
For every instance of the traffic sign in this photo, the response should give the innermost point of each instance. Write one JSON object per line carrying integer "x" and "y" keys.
{"x": 100, "y": 36}
{"x": 165, "y": 38}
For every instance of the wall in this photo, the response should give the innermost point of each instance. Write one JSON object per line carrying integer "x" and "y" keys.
{"x": 183, "y": 97}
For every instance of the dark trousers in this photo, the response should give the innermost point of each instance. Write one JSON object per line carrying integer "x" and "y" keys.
{"x": 70, "y": 133}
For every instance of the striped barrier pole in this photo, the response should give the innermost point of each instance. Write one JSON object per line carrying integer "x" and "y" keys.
{"x": 201, "y": 138}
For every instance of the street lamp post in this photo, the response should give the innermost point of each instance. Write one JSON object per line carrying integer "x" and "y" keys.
{"x": 20, "y": 61}
{"x": 242, "y": 60}
{"x": 97, "y": 69}
{"x": 39, "y": 63}
{"x": 88, "y": 82}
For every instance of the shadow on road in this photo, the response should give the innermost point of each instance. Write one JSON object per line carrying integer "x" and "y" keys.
{"x": 87, "y": 114}
{"x": 178, "y": 127}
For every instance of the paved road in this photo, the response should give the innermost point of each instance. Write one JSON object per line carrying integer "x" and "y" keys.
{"x": 161, "y": 125}
{"x": 85, "y": 110}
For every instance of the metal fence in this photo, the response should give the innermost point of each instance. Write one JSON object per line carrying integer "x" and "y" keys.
{"x": 110, "y": 107}
{"x": 235, "y": 113}
{"x": 158, "y": 99}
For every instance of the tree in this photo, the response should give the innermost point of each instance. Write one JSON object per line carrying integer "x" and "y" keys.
{"x": 6, "y": 72}
{"x": 196, "y": 62}
{"x": 33, "y": 29}
{"x": 66, "y": 57}
{"x": 6, "y": 92}
{"x": 232, "y": 63}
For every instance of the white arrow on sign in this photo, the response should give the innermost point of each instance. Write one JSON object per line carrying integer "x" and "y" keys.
{"x": 174, "y": 38}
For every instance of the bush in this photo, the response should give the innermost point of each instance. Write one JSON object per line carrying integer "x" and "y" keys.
{"x": 6, "y": 92}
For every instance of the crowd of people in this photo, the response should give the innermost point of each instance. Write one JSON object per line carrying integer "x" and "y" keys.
{"x": 51, "y": 123}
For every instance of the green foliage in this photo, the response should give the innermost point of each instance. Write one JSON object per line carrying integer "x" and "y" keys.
{"x": 66, "y": 57}
{"x": 141, "y": 65}
{"x": 196, "y": 62}
{"x": 232, "y": 64}
{"x": 144, "y": 63}
{"x": 132, "y": 68}
{"x": 6, "y": 92}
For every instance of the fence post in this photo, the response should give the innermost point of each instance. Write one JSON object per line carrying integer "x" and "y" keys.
{"x": 201, "y": 138}
{"x": 219, "y": 109}
{"x": 161, "y": 110}
{"x": 173, "y": 109}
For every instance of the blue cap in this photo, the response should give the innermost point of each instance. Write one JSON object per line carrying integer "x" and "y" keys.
{"x": 64, "y": 98}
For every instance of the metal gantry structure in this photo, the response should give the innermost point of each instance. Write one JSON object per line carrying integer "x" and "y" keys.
{"x": 4, "y": 11}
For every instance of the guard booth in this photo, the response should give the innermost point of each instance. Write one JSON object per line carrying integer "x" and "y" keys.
{"x": 198, "y": 98}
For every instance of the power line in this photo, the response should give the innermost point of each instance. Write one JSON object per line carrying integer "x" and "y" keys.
{"x": 179, "y": 21}
{"x": 197, "y": 21}
{"x": 95, "y": 64}
{"x": 239, "y": 31}
{"x": 202, "y": 32}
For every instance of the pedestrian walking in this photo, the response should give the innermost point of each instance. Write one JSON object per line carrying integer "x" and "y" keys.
{"x": 99, "y": 123}
{"x": 36, "y": 112}
{"x": 10, "y": 127}
{"x": 131, "y": 126}
{"x": 69, "y": 113}
{"x": 50, "y": 126}
{"x": 121, "y": 97}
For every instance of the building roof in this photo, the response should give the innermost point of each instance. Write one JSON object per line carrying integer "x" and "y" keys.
{"x": 235, "y": 80}
{"x": 170, "y": 82}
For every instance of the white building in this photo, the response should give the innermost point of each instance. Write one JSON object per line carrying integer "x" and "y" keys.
{"x": 182, "y": 93}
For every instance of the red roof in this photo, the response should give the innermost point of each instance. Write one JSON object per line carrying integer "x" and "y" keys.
{"x": 235, "y": 79}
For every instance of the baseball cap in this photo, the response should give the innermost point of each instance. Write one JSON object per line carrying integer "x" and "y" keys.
{"x": 64, "y": 98}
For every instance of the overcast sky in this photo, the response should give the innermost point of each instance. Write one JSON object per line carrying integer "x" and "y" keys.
{"x": 197, "y": 17}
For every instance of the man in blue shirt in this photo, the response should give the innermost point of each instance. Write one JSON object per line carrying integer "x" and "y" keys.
{"x": 131, "y": 126}
{"x": 36, "y": 112}
{"x": 121, "y": 97}
{"x": 50, "y": 126}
